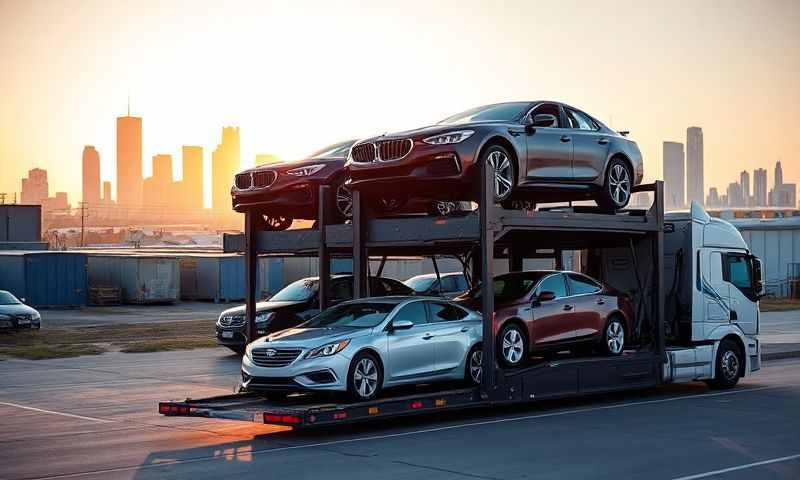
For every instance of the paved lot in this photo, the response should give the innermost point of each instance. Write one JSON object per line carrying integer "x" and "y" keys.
{"x": 94, "y": 417}
{"x": 133, "y": 314}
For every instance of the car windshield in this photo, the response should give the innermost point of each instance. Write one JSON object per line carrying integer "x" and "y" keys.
{"x": 500, "y": 112}
{"x": 420, "y": 284}
{"x": 353, "y": 315}
{"x": 8, "y": 299}
{"x": 338, "y": 150}
{"x": 298, "y": 291}
{"x": 512, "y": 286}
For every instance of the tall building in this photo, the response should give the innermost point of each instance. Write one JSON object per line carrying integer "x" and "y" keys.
{"x": 225, "y": 162}
{"x": 744, "y": 181}
{"x": 107, "y": 193}
{"x": 778, "y": 174}
{"x": 192, "y": 184}
{"x": 735, "y": 196}
{"x": 158, "y": 188}
{"x": 760, "y": 187}
{"x": 129, "y": 161}
{"x": 91, "y": 175}
{"x": 674, "y": 176}
{"x": 785, "y": 195}
{"x": 35, "y": 189}
{"x": 712, "y": 200}
{"x": 694, "y": 165}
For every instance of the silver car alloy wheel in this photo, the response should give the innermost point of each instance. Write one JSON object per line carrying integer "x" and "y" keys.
{"x": 512, "y": 346}
{"x": 365, "y": 377}
{"x": 615, "y": 337}
{"x": 730, "y": 365}
{"x": 476, "y": 366}
{"x": 503, "y": 173}
{"x": 344, "y": 201}
{"x": 619, "y": 184}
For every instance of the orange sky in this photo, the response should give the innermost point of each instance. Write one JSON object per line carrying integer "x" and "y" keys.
{"x": 298, "y": 75}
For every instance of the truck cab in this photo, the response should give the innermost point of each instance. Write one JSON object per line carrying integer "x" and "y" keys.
{"x": 712, "y": 304}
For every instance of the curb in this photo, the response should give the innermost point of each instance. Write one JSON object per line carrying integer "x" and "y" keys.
{"x": 765, "y": 357}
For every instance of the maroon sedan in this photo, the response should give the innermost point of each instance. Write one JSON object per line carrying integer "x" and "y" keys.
{"x": 547, "y": 310}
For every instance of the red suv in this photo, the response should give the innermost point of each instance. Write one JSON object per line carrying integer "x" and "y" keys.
{"x": 547, "y": 310}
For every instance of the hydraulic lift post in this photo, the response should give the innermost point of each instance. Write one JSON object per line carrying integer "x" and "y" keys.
{"x": 251, "y": 274}
{"x": 323, "y": 254}
{"x": 360, "y": 259}
{"x": 485, "y": 208}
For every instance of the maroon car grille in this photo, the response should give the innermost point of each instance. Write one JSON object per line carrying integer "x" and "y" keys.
{"x": 263, "y": 178}
{"x": 364, "y": 152}
{"x": 243, "y": 181}
{"x": 394, "y": 149}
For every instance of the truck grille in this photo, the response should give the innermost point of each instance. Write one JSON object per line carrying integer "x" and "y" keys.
{"x": 394, "y": 149}
{"x": 232, "y": 321}
{"x": 243, "y": 181}
{"x": 364, "y": 152}
{"x": 274, "y": 357}
{"x": 263, "y": 179}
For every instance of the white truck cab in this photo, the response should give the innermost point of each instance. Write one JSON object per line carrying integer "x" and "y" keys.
{"x": 714, "y": 286}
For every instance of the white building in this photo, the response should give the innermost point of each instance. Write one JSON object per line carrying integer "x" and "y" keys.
{"x": 674, "y": 176}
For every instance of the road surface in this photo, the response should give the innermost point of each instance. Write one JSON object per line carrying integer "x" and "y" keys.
{"x": 95, "y": 417}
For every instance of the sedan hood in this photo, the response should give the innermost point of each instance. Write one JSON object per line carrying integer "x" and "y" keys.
{"x": 310, "y": 337}
{"x": 17, "y": 309}
{"x": 332, "y": 162}
{"x": 263, "y": 307}
{"x": 431, "y": 130}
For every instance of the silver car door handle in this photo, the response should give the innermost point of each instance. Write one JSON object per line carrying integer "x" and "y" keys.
{"x": 568, "y": 307}
{"x": 603, "y": 141}
{"x": 427, "y": 336}
{"x": 464, "y": 329}
{"x": 565, "y": 138}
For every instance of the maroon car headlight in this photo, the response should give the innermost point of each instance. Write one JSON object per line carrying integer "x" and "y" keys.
{"x": 305, "y": 171}
{"x": 449, "y": 137}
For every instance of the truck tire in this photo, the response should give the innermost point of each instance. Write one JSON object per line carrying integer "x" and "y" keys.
{"x": 729, "y": 365}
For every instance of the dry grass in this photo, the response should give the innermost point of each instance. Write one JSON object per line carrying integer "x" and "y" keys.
{"x": 76, "y": 341}
{"x": 779, "y": 304}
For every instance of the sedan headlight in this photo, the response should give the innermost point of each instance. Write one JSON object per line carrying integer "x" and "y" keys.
{"x": 328, "y": 349}
{"x": 264, "y": 317}
{"x": 449, "y": 137}
{"x": 305, "y": 171}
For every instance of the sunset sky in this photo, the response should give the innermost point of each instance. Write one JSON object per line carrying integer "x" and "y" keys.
{"x": 298, "y": 75}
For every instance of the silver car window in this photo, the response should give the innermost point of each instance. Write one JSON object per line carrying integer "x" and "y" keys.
{"x": 445, "y": 312}
{"x": 414, "y": 312}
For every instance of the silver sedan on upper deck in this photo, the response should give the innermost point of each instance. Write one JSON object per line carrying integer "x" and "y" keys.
{"x": 362, "y": 346}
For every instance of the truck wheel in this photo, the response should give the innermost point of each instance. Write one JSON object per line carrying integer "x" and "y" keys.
{"x": 513, "y": 346}
{"x": 614, "y": 337}
{"x": 473, "y": 370}
{"x": 365, "y": 378}
{"x": 729, "y": 365}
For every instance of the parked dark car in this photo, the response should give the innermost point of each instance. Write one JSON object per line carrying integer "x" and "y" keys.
{"x": 448, "y": 285}
{"x": 539, "y": 151}
{"x": 293, "y": 305}
{"x": 545, "y": 310}
{"x": 285, "y": 191}
{"x": 15, "y": 314}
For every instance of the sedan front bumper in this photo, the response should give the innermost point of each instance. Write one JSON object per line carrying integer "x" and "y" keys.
{"x": 319, "y": 374}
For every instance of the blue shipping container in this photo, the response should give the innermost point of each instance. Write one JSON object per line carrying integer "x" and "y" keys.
{"x": 45, "y": 279}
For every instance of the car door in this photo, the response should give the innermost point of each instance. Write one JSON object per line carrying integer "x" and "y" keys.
{"x": 589, "y": 145}
{"x": 450, "y": 338}
{"x": 549, "y": 148}
{"x": 411, "y": 353}
{"x": 589, "y": 305}
{"x": 552, "y": 319}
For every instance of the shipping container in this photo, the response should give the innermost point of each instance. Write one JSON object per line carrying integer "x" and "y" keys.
{"x": 20, "y": 223}
{"x": 141, "y": 278}
{"x": 45, "y": 279}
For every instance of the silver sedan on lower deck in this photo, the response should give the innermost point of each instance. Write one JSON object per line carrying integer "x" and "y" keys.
{"x": 362, "y": 346}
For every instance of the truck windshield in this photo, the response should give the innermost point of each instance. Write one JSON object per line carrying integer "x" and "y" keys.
{"x": 298, "y": 291}
{"x": 353, "y": 315}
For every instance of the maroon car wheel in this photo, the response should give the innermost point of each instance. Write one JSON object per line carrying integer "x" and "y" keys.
{"x": 614, "y": 336}
{"x": 503, "y": 166}
{"x": 513, "y": 345}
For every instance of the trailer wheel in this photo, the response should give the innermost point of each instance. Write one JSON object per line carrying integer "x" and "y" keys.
{"x": 729, "y": 365}
{"x": 473, "y": 370}
{"x": 512, "y": 345}
{"x": 365, "y": 377}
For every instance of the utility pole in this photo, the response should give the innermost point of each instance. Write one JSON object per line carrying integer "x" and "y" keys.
{"x": 84, "y": 214}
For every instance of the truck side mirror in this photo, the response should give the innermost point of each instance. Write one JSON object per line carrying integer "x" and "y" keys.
{"x": 758, "y": 276}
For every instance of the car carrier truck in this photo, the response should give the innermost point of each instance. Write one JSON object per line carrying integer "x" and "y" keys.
{"x": 694, "y": 284}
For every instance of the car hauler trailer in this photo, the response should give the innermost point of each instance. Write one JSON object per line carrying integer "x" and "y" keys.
{"x": 624, "y": 249}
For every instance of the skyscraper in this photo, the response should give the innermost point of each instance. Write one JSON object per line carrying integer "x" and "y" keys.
{"x": 744, "y": 181}
{"x": 674, "y": 175}
{"x": 158, "y": 188}
{"x": 225, "y": 162}
{"x": 735, "y": 197}
{"x": 35, "y": 189}
{"x": 107, "y": 192}
{"x": 91, "y": 175}
{"x": 694, "y": 164}
{"x": 778, "y": 174}
{"x": 712, "y": 201}
{"x": 192, "y": 185}
{"x": 129, "y": 161}
{"x": 760, "y": 187}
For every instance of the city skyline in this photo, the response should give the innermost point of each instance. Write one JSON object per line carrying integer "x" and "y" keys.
{"x": 676, "y": 65}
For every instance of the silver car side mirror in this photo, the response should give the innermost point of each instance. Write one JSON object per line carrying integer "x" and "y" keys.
{"x": 402, "y": 325}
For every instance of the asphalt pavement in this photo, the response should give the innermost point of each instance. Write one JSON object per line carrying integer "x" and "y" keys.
{"x": 95, "y": 417}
